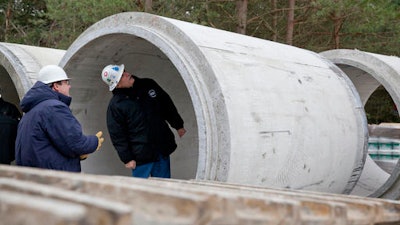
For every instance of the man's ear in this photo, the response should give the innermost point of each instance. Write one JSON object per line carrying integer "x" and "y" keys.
{"x": 56, "y": 86}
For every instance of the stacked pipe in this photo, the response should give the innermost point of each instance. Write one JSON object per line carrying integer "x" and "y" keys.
{"x": 95, "y": 199}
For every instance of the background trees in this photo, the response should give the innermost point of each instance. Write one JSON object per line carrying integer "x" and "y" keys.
{"x": 317, "y": 25}
{"x": 369, "y": 25}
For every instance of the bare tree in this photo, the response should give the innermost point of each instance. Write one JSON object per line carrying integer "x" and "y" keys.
{"x": 8, "y": 14}
{"x": 274, "y": 20}
{"x": 241, "y": 10}
{"x": 338, "y": 21}
{"x": 148, "y": 5}
{"x": 290, "y": 22}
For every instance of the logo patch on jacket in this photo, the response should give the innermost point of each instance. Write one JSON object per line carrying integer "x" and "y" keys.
{"x": 152, "y": 93}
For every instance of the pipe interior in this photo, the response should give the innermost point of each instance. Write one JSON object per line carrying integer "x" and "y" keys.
{"x": 8, "y": 90}
{"x": 90, "y": 97}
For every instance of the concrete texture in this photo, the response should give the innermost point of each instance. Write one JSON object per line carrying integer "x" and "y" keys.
{"x": 19, "y": 65}
{"x": 368, "y": 71}
{"x": 24, "y": 209}
{"x": 170, "y": 201}
{"x": 253, "y": 108}
{"x": 97, "y": 210}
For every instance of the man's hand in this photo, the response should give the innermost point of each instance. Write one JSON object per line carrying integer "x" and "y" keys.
{"x": 131, "y": 164}
{"x": 99, "y": 142}
{"x": 100, "y": 139}
{"x": 181, "y": 132}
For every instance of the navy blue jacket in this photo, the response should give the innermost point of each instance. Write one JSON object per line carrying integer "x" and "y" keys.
{"x": 138, "y": 120}
{"x": 48, "y": 135}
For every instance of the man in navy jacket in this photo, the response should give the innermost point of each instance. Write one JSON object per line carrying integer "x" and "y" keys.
{"x": 138, "y": 119}
{"x": 48, "y": 135}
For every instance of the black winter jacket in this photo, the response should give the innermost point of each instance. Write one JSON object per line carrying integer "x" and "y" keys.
{"x": 9, "y": 118}
{"x": 137, "y": 122}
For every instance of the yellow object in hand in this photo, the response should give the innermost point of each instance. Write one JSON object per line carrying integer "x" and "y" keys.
{"x": 100, "y": 139}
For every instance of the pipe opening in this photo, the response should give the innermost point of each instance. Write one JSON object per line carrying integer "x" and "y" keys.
{"x": 91, "y": 97}
{"x": 383, "y": 119}
{"x": 376, "y": 172}
{"x": 8, "y": 90}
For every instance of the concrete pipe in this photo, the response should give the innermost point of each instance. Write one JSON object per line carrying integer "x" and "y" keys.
{"x": 257, "y": 112}
{"x": 19, "y": 65}
{"x": 368, "y": 71}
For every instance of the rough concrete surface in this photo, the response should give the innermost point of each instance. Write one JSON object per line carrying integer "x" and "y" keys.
{"x": 170, "y": 201}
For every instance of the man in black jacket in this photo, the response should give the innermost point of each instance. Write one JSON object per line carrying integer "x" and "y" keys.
{"x": 137, "y": 117}
{"x": 9, "y": 119}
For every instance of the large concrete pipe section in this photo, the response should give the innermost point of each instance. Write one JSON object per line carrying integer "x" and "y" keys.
{"x": 257, "y": 112}
{"x": 368, "y": 71}
{"x": 19, "y": 65}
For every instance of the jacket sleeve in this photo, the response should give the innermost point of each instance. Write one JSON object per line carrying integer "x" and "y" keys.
{"x": 170, "y": 112}
{"x": 125, "y": 124}
{"x": 65, "y": 132}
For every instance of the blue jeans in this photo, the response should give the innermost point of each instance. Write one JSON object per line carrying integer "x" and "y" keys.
{"x": 160, "y": 168}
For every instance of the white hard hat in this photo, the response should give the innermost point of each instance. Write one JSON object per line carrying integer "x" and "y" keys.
{"x": 52, "y": 73}
{"x": 111, "y": 75}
